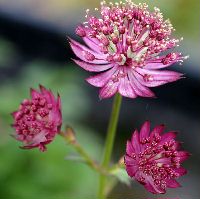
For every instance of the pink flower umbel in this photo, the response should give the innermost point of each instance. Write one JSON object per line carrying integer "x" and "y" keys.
{"x": 128, "y": 45}
{"x": 38, "y": 119}
{"x": 154, "y": 159}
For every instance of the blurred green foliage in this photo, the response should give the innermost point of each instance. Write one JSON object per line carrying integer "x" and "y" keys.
{"x": 31, "y": 174}
{"x": 7, "y": 51}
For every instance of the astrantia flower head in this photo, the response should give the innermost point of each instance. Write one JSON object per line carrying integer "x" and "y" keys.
{"x": 164, "y": 198}
{"x": 38, "y": 119}
{"x": 154, "y": 159}
{"x": 131, "y": 45}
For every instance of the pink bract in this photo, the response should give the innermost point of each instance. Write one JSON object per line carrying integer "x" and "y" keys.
{"x": 38, "y": 119}
{"x": 129, "y": 46}
{"x": 154, "y": 159}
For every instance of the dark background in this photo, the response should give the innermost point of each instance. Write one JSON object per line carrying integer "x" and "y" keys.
{"x": 34, "y": 49}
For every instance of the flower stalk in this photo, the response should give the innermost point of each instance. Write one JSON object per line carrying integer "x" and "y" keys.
{"x": 111, "y": 132}
{"x": 69, "y": 137}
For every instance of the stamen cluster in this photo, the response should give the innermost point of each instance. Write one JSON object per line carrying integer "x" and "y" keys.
{"x": 128, "y": 31}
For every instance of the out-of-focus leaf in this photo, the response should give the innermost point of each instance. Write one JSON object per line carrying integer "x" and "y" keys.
{"x": 31, "y": 174}
{"x": 7, "y": 53}
{"x": 121, "y": 175}
{"x": 74, "y": 157}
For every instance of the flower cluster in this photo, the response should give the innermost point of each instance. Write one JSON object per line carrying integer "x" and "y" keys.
{"x": 131, "y": 45}
{"x": 38, "y": 119}
{"x": 154, "y": 159}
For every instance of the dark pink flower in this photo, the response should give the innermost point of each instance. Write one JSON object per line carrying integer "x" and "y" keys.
{"x": 38, "y": 119}
{"x": 164, "y": 198}
{"x": 154, "y": 159}
{"x": 129, "y": 46}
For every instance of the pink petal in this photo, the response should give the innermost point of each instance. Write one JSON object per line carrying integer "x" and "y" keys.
{"x": 130, "y": 161}
{"x": 39, "y": 138}
{"x": 149, "y": 184}
{"x": 28, "y": 147}
{"x": 92, "y": 67}
{"x": 135, "y": 141}
{"x": 101, "y": 79}
{"x": 149, "y": 83}
{"x": 181, "y": 171}
{"x": 42, "y": 147}
{"x": 47, "y": 94}
{"x": 125, "y": 88}
{"x": 131, "y": 170}
{"x": 156, "y": 65}
{"x": 163, "y": 160}
{"x": 140, "y": 175}
{"x": 92, "y": 43}
{"x": 16, "y": 115}
{"x": 138, "y": 87}
{"x": 154, "y": 189}
{"x": 157, "y": 131}
{"x": 158, "y": 77}
{"x": 171, "y": 183}
{"x": 168, "y": 136}
{"x": 79, "y": 52}
{"x": 151, "y": 187}
{"x": 58, "y": 102}
{"x": 129, "y": 148}
{"x": 158, "y": 74}
{"x": 144, "y": 131}
{"x": 108, "y": 90}
{"x": 183, "y": 155}
{"x": 58, "y": 113}
{"x": 34, "y": 93}
{"x": 177, "y": 145}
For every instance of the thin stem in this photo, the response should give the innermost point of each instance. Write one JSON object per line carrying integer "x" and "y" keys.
{"x": 109, "y": 143}
{"x": 88, "y": 160}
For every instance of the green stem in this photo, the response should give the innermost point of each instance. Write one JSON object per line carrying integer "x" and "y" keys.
{"x": 79, "y": 149}
{"x": 88, "y": 159}
{"x": 109, "y": 143}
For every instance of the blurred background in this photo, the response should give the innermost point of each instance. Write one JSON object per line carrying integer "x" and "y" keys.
{"x": 34, "y": 49}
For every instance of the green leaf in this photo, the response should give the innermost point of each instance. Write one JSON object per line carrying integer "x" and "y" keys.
{"x": 121, "y": 175}
{"x": 74, "y": 157}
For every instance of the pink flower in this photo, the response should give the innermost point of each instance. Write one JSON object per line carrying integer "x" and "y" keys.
{"x": 128, "y": 45}
{"x": 38, "y": 119}
{"x": 164, "y": 198}
{"x": 154, "y": 159}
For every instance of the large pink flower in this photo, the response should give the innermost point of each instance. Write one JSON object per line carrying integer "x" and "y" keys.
{"x": 38, "y": 119}
{"x": 131, "y": 45}
{"x": 154, "y": 159}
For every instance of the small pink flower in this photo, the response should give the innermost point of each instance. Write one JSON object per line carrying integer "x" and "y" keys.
{"x": 38, "y": 119}
{"x": 129, "y": 46}
{"x": 154, "y": 159}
